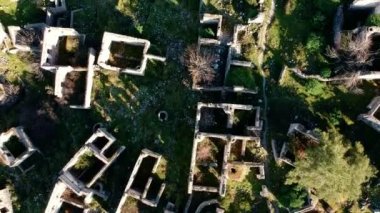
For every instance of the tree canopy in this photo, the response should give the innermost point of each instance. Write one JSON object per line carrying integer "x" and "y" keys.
{"x": 335, "y": 169}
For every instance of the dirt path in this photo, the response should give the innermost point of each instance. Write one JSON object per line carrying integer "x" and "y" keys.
{"x": 262, "y": 42}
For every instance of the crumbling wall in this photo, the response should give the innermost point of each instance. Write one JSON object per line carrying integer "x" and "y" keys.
{"x": 369, "y": 118}
{"x": 142, "y": 195}
{"x": 68, "y": 181}
{"x": 49, "y": 54}
{"x": 199, "y": 136}
{"x": 105, "y": 53}
{"x": 8, "y": 157}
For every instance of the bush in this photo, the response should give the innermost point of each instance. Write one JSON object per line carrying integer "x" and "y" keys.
{"x": 335, "y": 117}
{"x": 315, "y": 88}
{"x": 326, "y": 72}
{"x": 373, "y": 20}
{"x": 314, "y": 43}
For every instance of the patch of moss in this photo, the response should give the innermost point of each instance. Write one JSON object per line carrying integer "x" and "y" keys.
{"x": 241, "y": 76}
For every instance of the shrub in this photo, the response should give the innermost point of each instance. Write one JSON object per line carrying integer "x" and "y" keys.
{"x": 84, "y": 161}
{"x": 315, "y": 88}
{"x": 335, "y": 117}
{"x": 314, "y": 43}
{"x": 326, "y": 72}
{"x": 373, "y": 20}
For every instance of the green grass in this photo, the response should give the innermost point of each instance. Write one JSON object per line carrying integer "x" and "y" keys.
{"x": 241, "y": 76}
{"x": 293, "y": 26}
{"x": 242, "y": 195}
{"x": 130, "y": 105}
{"x": 159, "y": 21}
{"x": 126, "y": 105}
{"x": 21, "y": 12}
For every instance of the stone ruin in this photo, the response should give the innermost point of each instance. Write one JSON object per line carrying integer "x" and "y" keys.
{"x": 15, "y": 147}
{"x": 61, "y": 75}
{"x": 27, "y": 38}
{"x": 258, "y": 19}
{"x": 63, "y": 53}
{"x": 296, "y": 128}
{"x": 210, "y": 29}
{"x": 60, "y": 49}
{"x": 5, "y": 41}
{"x": 205, "y": 204}
{"x": 227, "y": 118}
{"x": 372, "y": 117}
{"x": 77, "y": 182}
{"x": 56, "y": 9}
{"x": 286, "y": 154}
{"x": 125, "y": 54}
{"x": 221, "y": 147}
{"x": 362, "y": 4}
{"x": 226, "y": 53}
{"x": 5, "y": 200}
{"x": 143, "y": 190}
{"x": 170, "y": 208}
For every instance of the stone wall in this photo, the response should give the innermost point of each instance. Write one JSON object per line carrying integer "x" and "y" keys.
{"x": 142, "y": 195}
{"x": 369, "y": 118}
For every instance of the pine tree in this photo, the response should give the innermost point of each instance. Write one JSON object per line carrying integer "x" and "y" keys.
{"x": 335, "y": 169}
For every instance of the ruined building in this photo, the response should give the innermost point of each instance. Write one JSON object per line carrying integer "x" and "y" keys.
{"x": 61, "y": 49}
{"x": 5, "y": 200}
{"x": 222, "y": 46}
{"x": 289, "y": 150}
{"x": 77, "y": 182}
{"x": 372, "y": 117}
{"x": 125, "y": 54}
{"x": 15, "y": 147}
{"x": 55, "y": 11}
{"x": 27, "y": 38}
{"x": 64, "y": 54}
{"x": 5, "y": 41}
{"x": 300, "y": 139}
{"x": 226, "y": 146}
{"x": 139, "y": 186}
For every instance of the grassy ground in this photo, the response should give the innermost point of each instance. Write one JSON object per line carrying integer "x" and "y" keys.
{"x": 316, "y": 104}
{"x": 293, "y": 29}
{"x": 319, "y": 105}
{"x": 126, "y": 105}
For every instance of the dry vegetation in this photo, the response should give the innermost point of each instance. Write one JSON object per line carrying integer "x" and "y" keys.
{"x": 354, "y": 56}
{"x": 199, "y": 65}
{"x": 206, "y": 151}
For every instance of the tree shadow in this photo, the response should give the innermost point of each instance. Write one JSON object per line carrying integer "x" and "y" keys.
{"x": 24, "y": 12}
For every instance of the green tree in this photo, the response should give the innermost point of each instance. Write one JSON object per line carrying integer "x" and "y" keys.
{"x": 293, "y": 197}
{"x": 335, "y": 169}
